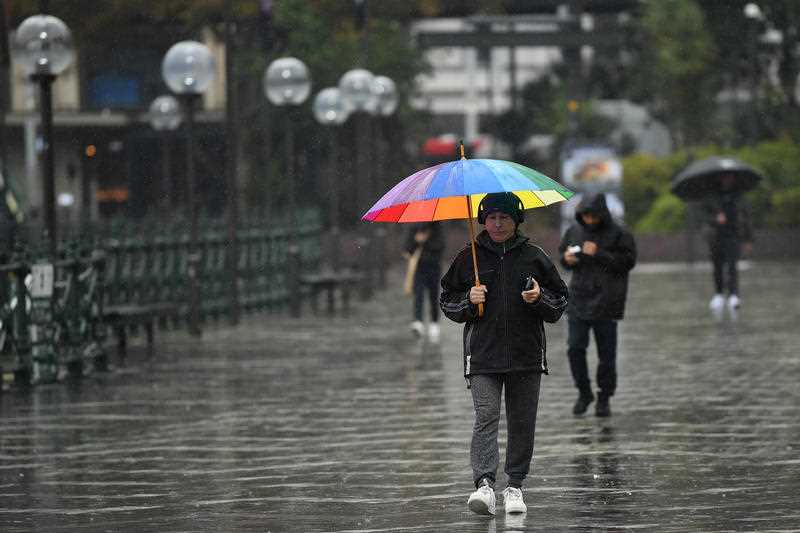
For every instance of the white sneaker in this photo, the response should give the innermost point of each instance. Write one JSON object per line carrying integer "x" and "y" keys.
{"x": 513, "y": 502}
{"x": 417, "y": 328}
{"x": 515, "y": 522}
{"x": 733, "y": 302}
{"x": 482, "y": 501}
{"x": 433, "y": 332}
{"x": 717, "y": 302}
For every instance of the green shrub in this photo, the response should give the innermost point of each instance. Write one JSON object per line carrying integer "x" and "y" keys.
{"x": 647, "y": 179}
{"x": 785, "y": 210}
{"x": 644, "y": 178}
{"x": 779, "y": 161}
{"x": 666, "y": 215}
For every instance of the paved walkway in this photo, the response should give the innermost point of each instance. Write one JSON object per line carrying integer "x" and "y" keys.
{"x": 348, "y": 424}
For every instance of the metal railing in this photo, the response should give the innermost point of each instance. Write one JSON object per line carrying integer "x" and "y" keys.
{"x": 60, "y": 327}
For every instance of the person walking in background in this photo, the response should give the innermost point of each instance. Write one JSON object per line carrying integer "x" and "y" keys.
{"x": 424, "y": 247}
{"x": 727, "y": 225}
{"x": 600, "y": 253}
{"x": 505, "y": 348}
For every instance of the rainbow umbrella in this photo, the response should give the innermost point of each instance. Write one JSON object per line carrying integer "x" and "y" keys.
{"x": 454, "y": 189}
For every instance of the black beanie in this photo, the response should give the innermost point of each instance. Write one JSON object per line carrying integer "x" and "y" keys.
{"x": 504, "y": 202}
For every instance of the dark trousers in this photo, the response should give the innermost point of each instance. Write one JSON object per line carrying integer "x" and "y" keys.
{"x": 724, "y": 255}
{"x": 522, "y": 402}
{"x": 605, "y": 336}
{"x": 427, "y": 283}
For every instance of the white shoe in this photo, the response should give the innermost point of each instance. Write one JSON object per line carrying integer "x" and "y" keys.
{"x": 513, "y": 502}
{"x": 733, "y": 302}
{"x": 515, "y": 522}
{"x": 482, "y": 501}
{"x": 417, "y": 328}
{"x": 433, "y": 332}
{"x": 717, "y": 302}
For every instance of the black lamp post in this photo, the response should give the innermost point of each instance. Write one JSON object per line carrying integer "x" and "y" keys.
{"x": 385, "y": 92}
{"x": 330, "y": 110}
{"x": 287, "y": 83}
{"x": 43, "y": 46}
{"x": 356, "y": 87}
{"x": 188, "y": 70}
{"x": 165, "y": 116}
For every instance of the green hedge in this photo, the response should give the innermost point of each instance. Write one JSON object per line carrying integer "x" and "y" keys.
{"x": 666, "y": 215}
{"x": 785, "y": 208}
{"x": 650, "y": 207}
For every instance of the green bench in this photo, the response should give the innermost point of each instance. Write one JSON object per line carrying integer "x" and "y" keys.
{"x": 120, "y": 318}
{"x": 330, "y": 283}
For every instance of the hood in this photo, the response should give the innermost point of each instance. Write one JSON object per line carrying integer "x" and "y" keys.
{"x": 593, "y": 203}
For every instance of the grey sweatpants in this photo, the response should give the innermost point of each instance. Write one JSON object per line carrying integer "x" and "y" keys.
{"x": 522, "y": 402}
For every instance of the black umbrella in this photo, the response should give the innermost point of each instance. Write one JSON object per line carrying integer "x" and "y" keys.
{"x": 702, "y": 179}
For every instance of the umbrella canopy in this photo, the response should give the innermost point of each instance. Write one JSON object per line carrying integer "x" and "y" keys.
{"x": 453, "y": 190}
{"x": 702, "y": 178}
{"x": 440, "y": 192}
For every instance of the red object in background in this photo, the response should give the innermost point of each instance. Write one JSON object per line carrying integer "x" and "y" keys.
{"x": 445, "y": 145}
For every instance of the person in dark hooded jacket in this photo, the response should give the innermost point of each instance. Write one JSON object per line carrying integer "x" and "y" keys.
{"x": 519, "y": 290}
{"x": 600, "y": 253}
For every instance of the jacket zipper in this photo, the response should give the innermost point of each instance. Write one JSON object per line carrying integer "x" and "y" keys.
{"x": 468, "y": 351}
{"x": 502, "y": 285}
{"x": 543, "y": 347}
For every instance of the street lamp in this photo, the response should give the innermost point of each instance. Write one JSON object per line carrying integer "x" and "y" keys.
{"x": 165, "y": 115}
{"x": 356, "y": 88}
{"x": 755, "y": 17}
{"x": 43, "y": 46}
{"x": 330, "y": 110}
{"x": 287, "y": 83}
{"x": 188, "y": 70}
{"x": 385, "y": 91}
{"x": 386, "y": 100}
{"x": 752, "y": 11}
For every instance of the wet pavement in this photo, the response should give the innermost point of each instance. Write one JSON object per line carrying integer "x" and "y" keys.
{"x": 349, "y": 424}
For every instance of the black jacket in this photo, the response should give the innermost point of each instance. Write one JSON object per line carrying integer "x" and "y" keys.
{"x": 431, "y": 256}
{"x": 599, "y": 284}
{"x": 737, "y": 211}
{"x": 509, "y": 337}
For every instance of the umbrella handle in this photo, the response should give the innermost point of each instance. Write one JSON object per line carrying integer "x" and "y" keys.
{"x": 480, "y": 305}
{"x": 472, "y": 244}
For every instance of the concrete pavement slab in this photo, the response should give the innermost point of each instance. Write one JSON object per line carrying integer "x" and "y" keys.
{"x": 342, "y": 424}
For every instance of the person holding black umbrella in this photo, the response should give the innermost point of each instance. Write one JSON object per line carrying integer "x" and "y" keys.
{"x": 727, "y": 217}
{"x": 718, "y": 183}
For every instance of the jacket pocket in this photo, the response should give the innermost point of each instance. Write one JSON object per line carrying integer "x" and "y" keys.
{"x": 586, "y": 284}
{"x": 526, "y": 343}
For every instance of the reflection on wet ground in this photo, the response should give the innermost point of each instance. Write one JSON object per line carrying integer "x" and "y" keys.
{"x": 349, "y": 424}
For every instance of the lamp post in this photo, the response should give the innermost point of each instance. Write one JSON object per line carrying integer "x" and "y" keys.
{"x": 287, "y": 84}
{"x": 43, "y": 46}
{"x": 385, "y": 92}
{"x": 188, "y": 70}
{"x": 386, "y": 101}
{"x": 165, "y": 116}
{"x": 356, "y": 89}
{"x": 755, "y": 18}
{"x": 330, "y": 110}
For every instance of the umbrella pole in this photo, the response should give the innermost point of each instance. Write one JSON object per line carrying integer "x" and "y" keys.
{"x": 472, "y": 245}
